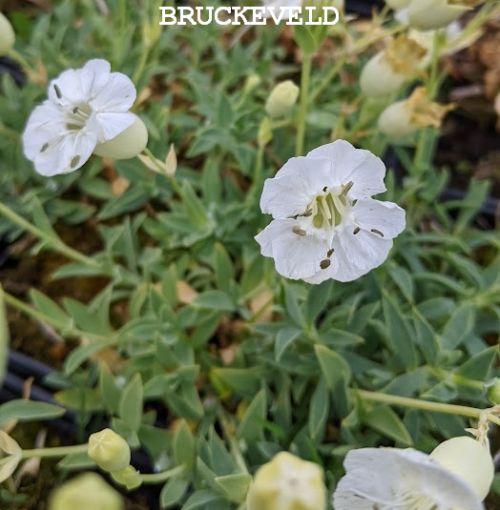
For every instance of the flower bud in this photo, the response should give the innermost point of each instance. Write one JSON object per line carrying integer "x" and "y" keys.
{"x": 87, "y": 491}
{"x": 253, "y": 80}
{"x": 128, "y": 144}
{"x": 433, "y": 14}
{"x": 109, "y": 450}
{"x": 282, "y": 99}
{"x": 403, "y": 118}
{"x": 493, "y": 387}
{"x": 469, "y": 459}
{"x": 7, "y": 36}
{"x": 287, "y": 483}
{"x": 387, "y": 71}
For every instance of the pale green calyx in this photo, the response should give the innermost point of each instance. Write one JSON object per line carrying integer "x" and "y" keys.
{"x": 85, "y": 492}
{"x": 109, "y": 450}
{"x": 128, "y": 144}
{"x": 282, "y": 99}
{"x": 7, "y": 36}
{"x": 468, "y": 459}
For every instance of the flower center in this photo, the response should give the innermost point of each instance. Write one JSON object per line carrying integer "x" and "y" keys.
{"x": 328, "y": 209}
{"x": 78, "y": 116}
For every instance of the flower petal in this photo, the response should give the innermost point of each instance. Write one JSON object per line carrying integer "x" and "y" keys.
{"x": 358, "y": 166}
{"x": 94, "y": 76}
{"x": 110, "y": 125}
{"x": 296, "y": 256}
{"x": 294, "y": 187}
{"x": 387, "y": 477}
{"x": 385, "y": 219}
{"x": 117, "y": 96}
{"x": 66, "y": 154}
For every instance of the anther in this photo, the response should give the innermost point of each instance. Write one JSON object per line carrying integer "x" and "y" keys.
{"x": 74, "y": 161}
{"x": 58, "y": 91}
{"x": 329, "y": 253}
{"x": 347, "y": 187}
{"x": 325, "y": 263}
{"x": 45, "y": 146}
{"x": 356, "y": 230}
{"x": 299, "y": 231}
{"x": 375, "y": 231}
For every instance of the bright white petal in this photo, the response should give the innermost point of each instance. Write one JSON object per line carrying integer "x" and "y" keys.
{"x": 67, "y": 89}
{"x": 117, "y": 96}
{"x": 363, "y": 250}
{"x": 392, "y": 478}
{"x": 294, "y": 187}
{"x": 295, "y": 256}
{"x": 66, "y": 153}
{"x": 110, "y": 125}
{"x": 94, "y": 76}
{"x": 358, "y": 166}
{"x": 44, "y": 124}
{"x": 386, "y": 218}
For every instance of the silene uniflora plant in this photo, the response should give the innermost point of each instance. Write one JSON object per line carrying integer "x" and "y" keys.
{"x": 274, "y": 321}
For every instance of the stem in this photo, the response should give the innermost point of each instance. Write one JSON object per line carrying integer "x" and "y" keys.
{"x": 163, "y": 476}
{"x": 304, "y": 103}
{"x": 426, "y": 405}
{"x": 48, "y": 238}
{"x": 59, "y": 451}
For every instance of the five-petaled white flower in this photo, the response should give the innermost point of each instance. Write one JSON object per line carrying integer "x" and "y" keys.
{"x": 326, "y": 225}
{"x": 390, "y": 478}
{"x": 85, "y": 108}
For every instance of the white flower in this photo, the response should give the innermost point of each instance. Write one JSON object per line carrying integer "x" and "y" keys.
{"x": 85, "y": 108}
{"x": 326, "y": 225}
{"x": 390, "y": 478}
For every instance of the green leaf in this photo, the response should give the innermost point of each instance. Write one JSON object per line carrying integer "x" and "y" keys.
{"x": 50, "y": 308}
{"x": 234, "y": 487}
{"x": 224, "y": 270}
{"x": 384, "y": 420}
{"x": 110, "y": 392}
{"x": 284, "y": 338}
{"x": 245, "y": 381}
{"x": 459, "y": 326}
{"x": 28, "y": 410}
{"x": 479, "y": 366}
{"x": 184, "y": 446}
{"x": 319, "y": 410}
{"x": 215, "y": 300}
{"x": 292, "y": 305}
{"x": 4, "y": 337}
{"x": 317, "y": 299}
{"x": 334, "y": 367}
{"x": 399, "y": 335}
{"x": 251, "y": 425}
{"x": 81, "y": 354}
{"x": 130, "y": 408}
{"x": 403, "y": 279}
{"x": 201, "y": 500}
{"x": 173, "y": 491}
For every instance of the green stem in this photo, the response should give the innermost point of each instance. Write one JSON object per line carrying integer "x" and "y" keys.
{"x": 48, "y": 238}
{"x": 304, "y": 103}
{"x": 426, "y": 405}
{"x": 163, "y": 476}
{"x": 59, "y": 451}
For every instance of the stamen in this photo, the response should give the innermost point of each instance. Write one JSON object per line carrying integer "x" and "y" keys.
{"x": 356, "y": 230}
{"x": 299, "y": 231}
{"x": 58, "y": 91}
{"x": 347, "y": 187}
{"x": 325, "y": 263}
{"x": 45, "y": 146}
{"x": 375, "y": 231}
{"x": 329, "y": 253}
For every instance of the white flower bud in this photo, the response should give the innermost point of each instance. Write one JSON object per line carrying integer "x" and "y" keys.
{"x": 287, "y": 483}
{"x": 403, "y": 118}
{"x": 109, "y": 450}
{"x": 129, "y": 477}
{"x": 282, "y": 99}
{"x": 87, "y": 491}
{"x": 433, "y": 14}
{"x": 469, "y": 459}
{"x": 128, "y": 144}
{"x": 387, "y": 71}
{"x": 7, "y": 36}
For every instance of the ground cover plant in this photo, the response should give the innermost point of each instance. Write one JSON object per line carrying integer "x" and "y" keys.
{"x": 233, "y": 247}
